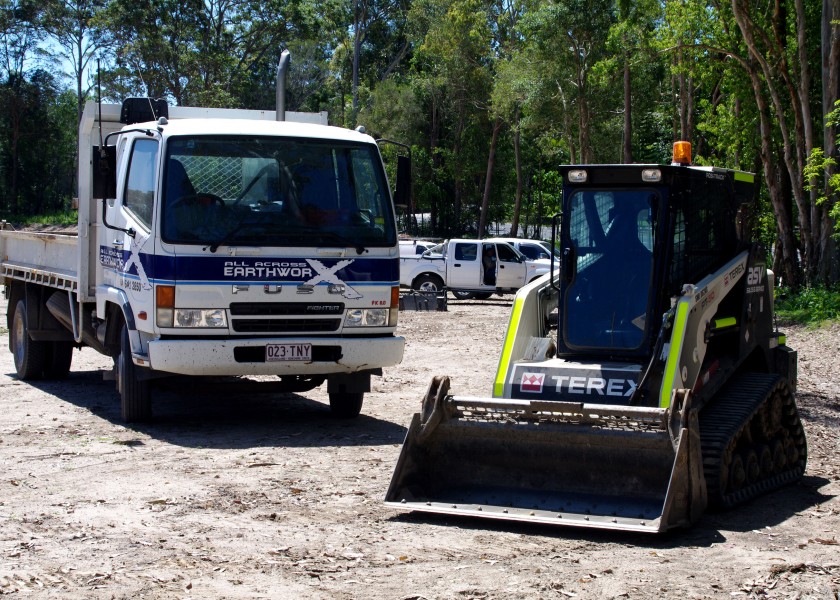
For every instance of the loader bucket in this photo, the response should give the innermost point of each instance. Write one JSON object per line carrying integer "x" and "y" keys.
{"x": 559, "y": 463}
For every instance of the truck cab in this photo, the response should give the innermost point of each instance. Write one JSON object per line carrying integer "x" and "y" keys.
{"x": 279, "y": 237}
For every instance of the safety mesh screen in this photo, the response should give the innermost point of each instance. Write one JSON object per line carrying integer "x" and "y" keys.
{"x": 219, "y": 175}
{"x": 705, "y": 235}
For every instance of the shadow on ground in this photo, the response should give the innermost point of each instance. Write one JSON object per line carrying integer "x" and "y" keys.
{"x": 219, "y": 413}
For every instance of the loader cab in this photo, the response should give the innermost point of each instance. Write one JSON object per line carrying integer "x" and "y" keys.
{"x": 631, "y": 237}
{"x": 609, "y": 240}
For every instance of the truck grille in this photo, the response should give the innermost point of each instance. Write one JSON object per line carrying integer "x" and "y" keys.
{"x": 286, "y": 317}
{"x": 284, "y": 325}
{"x": 269, "y": 309}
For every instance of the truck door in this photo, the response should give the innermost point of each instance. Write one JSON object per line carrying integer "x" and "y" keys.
{"x": 511, "y": 270}
{"x": 134, "y": 213}
{"x": 464, "y": 265}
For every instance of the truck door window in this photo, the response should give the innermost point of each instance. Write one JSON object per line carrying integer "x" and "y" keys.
{"x": 532, "y": 252}
{"x": 507, "y": 254}
{"x": 466, "y": 252}
{"x": 140, "y": 184}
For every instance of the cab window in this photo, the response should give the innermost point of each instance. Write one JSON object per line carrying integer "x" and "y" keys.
{"x": 140, "y": 185}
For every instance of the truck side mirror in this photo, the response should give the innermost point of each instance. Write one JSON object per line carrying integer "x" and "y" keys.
{"x": 105, "y": 172}
{"x": 402, "y": 195}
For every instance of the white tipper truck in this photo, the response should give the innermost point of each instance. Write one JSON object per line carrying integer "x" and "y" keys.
{"x": 215, "y": 242}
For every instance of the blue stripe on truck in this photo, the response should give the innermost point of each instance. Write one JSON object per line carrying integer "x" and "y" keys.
{"x": 227, "y": 269}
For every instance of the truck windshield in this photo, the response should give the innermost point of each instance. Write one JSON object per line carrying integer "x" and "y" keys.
{"x": 606, "y": 301}
{"x": 270, "y": 191}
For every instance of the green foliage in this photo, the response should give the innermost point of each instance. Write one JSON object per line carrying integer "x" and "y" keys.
{"x": 37, "y": 145}
{"x": 438, "y": 75}
{"x": 820, "y": 174}
{"x": 62, "y": 218}
{"x": 810, "y": 306}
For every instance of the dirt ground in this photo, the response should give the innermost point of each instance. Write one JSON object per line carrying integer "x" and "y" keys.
{"x": 231, "y": 494}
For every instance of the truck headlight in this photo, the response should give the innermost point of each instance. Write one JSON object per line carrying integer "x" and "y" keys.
{"x": 366, "y": 317}
{"x": 200, "y": 317}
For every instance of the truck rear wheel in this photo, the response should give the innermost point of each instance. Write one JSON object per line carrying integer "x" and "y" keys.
{"x": 346, "y": 405}
{"x": 30, "y": 355}
{"x": 135, "y": 393}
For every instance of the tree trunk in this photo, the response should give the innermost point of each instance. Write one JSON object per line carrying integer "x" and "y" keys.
{"x": 359, "y": 10}
{"x": 793, "y": 142}
{"x": 491, "y": 159}
{"x": 628, "y": 121}
{"x": 830, "y": 265}
{"x": 517, "y": 155}
{"x": 784, "y": 227}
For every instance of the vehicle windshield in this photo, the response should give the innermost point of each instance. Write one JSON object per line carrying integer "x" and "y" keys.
{"x": 538, "y": 250}
{"x": 271, "y": 191}
{"x": 612, "y": 235}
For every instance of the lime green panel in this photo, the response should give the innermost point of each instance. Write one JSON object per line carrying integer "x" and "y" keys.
{"x": 725, "y": 322}
{"x": 510, "y": 338}
{"x": 673, "y": 362}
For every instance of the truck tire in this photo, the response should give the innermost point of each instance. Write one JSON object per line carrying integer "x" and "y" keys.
{"x": 428, "y": 283}
{"x": 30, "y": 355}
{"x": 463, "y": 295}
{"x": 346, "y": 405}
{"x": 135, "y": 393}
{"x": 59, "y": 359}
{"x": 483, "y": 295}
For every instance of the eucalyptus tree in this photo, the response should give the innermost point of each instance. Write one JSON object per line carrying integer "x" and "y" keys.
{"x": 76, "y": 28}
{"x": 197, "y": 52}
{"x": 19, "y": 38}
{"x": 450, "y": 71}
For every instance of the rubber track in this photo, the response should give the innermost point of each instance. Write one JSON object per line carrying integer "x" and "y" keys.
{"x": 728, "y": 416}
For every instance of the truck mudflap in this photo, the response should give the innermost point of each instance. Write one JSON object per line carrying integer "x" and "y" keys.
{"x": 558, "y": 463}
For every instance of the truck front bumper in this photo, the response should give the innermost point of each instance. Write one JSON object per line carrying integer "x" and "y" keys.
{"x": 247, "y": 356}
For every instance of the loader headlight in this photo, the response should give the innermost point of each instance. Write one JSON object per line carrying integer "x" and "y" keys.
{"x": 577, "y": 176}
{"x": 651, "y": 175}
{"x": 366, "y": 317}
{"x": 200, "y": 317}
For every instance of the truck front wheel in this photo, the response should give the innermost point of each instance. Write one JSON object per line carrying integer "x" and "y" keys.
{"x": 463, "y": 295}
{"x": 135, "y": 393}
{"x": 428, "y": 283}
{"x": 346, "y": 405}
{"x": 30, "y": 355}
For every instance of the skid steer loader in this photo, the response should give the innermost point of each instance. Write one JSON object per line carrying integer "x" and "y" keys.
{"x": 639, "y": 382}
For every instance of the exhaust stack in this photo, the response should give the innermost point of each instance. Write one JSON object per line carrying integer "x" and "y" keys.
{"x": 282, "y": 69}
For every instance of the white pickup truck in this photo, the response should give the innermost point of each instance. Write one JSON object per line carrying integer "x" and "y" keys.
{"x": 214, "y": 242}
{"x": 471, "y": 269}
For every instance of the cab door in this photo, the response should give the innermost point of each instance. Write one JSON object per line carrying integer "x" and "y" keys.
{"x": 464, "y": 265}
{"x": 511, "y": 269}
{"x": 133, "y": 247}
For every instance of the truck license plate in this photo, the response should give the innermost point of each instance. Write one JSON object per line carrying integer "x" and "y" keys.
{"x": 284, "y": 352}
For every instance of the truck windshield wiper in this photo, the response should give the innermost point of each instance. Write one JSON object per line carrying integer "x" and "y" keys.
{"x": 229, "y": 235}
{"x": 358, "y": 247}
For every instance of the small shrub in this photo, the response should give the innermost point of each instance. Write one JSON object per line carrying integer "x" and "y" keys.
{"x": 810, "y": 306}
